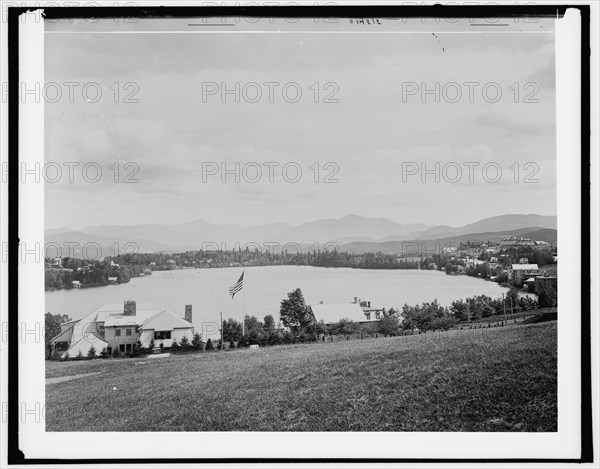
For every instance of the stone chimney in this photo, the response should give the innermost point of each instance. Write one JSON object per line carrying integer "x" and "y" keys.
{"x": 188, "y": 313}
{"x": 368, "y": 304}
{"x": 129, "y": 308}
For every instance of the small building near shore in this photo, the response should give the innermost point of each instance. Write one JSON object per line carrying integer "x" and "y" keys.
{"x": 520, "y": 272}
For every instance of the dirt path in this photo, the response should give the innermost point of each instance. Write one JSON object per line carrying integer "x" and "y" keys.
{"x": 62, "y": 379}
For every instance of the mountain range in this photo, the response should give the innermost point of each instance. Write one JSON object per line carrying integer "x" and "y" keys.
{"x": 351, "y": 233}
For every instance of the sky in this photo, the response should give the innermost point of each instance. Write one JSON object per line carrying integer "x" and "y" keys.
{"x": 361, "y": 137}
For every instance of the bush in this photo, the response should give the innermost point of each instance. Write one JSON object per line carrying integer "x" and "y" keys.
{"x": 232, "y": 345}
{"x": 104, "y": 353}
{"x": 67, "y": 356}
{"x": 209, "y": 345}
{"x": 175, "y": 346}
{"x": 243, "y": 342}
{"x": 79, "y": 356}
{"x": 185, "y": 344}
{"x": 197, "y": 342}
{"x": 91, "y": 352}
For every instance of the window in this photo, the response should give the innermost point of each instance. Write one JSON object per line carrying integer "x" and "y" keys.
{"x": 117, "y": 332}
{"x": 378, "y": 315}
{"x": 122, "y": 347}
{"x": 368, "y": 315}
{"x": 161, "y": 335}
{"x": 127, "y": 331}
{"x": 128, "y": 347}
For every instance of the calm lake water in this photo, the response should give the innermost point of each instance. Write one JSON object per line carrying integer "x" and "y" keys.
{"x": 265, "y": 287}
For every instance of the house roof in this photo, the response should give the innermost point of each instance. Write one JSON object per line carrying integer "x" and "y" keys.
{"x": 112, "y": 314}
{"x": 84, "y": 345}
{"x": 165, "y": 321}
{"x": 336, "y": 312}
{"x": 524, "y": 266}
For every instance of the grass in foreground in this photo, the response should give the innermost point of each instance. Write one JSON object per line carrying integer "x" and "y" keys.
{"x": 501, "y": 379}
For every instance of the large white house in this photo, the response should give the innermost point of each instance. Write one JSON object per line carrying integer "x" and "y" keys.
{"x": 119, "y": 327}
{"x": 356, "y": 312}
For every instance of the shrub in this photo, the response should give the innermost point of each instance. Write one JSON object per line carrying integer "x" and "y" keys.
{"x": 209, "y": 345}
{"x": 117, "y": 353}
{"x": 104, "y": 353}
{"x": 79, "y": 356}
{"x": 175, "y": 346}
{"x": 151, "y": 346}
{"x": 243, "y": 342}
{"x": 197, "y": 342}
{"x": 185, "y": 344}
{"x": 91, "y": 352}
{"x": 67, "y": 356}
{"x": 232, "y": 345}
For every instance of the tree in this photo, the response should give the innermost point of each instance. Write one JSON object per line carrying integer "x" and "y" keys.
{"x": 197, "y": 342}
{"x": 254, "y": 330}
{"x": 209, "y": 345}
{"x": 185, "y": 343}
{"x": 79, "y": 356}
{"x": 232, "y": 330}
{"x": 104, "y": 353}
{"x": 52, "y": 324}
{"x": 91, "y": 352}
{"x": 174, "y": 346}
{"x": 66, "y": 356}
{"x": 269, "y": 324}
{"x": 294, "y": 313}
{"x": 388, "y": 325}
{"x": 151, "y": 346}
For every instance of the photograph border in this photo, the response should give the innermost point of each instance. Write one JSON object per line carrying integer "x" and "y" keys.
{"x": 16, "y": 456}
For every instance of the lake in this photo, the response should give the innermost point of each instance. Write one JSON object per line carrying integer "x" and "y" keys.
{"x": 264, "y": 288}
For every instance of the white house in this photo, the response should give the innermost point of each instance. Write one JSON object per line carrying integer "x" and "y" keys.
{"x": 119, "y": 327}
{"x": 356, "y": 312}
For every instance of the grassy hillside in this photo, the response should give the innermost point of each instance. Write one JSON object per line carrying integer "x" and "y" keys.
{"x": 501, "y": 379}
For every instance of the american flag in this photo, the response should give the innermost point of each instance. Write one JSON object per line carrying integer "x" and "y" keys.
{"x": 237, "y": 287}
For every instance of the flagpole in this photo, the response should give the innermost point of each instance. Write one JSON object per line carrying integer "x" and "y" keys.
{"x": 243, "y": 309}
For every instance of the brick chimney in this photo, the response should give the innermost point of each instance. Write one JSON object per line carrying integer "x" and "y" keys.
{"x": 368, "y": 304}
{"x": 188, "y": 313}
{"x": 129, "y": 308}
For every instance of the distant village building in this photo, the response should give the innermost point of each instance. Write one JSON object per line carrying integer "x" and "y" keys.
{"x": 516, "y": 241}
{"x": 119, "y": 327}
{"x": 520, "y": 272}
{"x": 113, "y": 280}
{"x": 76, "y": 284}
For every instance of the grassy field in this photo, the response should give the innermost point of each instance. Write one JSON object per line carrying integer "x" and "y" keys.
{"x": 498, "y": 379}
